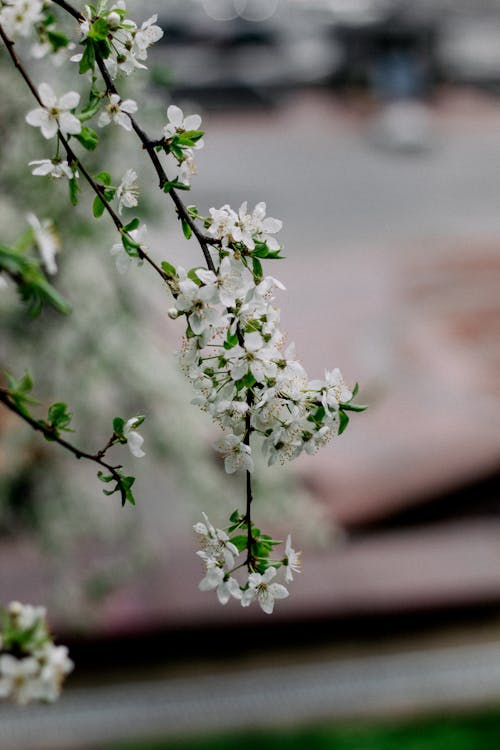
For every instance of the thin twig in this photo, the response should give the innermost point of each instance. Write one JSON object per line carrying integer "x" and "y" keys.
{"x": 97, "y": 458}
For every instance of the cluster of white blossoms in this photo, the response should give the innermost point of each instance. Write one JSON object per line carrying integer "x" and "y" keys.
{"x": 127, "y": 43}
{"x": 235, "y": 355}
{"x": 219, "y": 553}
{"x": 32, "y": 668}
{"x": 18, "y": 17}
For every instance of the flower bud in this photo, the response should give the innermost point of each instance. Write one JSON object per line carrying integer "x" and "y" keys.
{"x": 114, "y": 20}
{"x": 173, "y": 313}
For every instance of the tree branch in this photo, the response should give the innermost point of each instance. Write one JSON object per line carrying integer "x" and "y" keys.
{"x": 149, "y": 146}
{"x": 51, "y": 435}
{"x": 72, "y": 158}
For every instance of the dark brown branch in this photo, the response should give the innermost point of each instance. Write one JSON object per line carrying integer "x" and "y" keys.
{"x": 72, "y": 158}
{"x": 149, "y": 146}
{"x": 69, "y": 9}
{"x": 50, "y": 434}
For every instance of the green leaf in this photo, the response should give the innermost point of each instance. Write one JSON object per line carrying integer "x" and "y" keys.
{"x": 231, "y": 340}
{"x": 32, "y": 285}
{"x": 191, "y": 274}
{"x": 187, "y": 231}
{"x": 103, "y": 177}
{"x": 130, "y": 246}
{"x": 167, "y": 186}
{"x": 343, "y": 421}
{"x": 118, "y": 425}
{"x": 187, "y": 139}
{"x": 353, "y": 407}
{"x": 240, "y": 541}
{"x": 103, "y": 48}
{"x": 105, "y": 477}
{"x": 99, "y": 30}
{"x": 90, "y": 110}
{"x": 355, "y": 390}
{"x": 98, "y": 207}
{"x": 257, "y": 270}
{"x": 123, "y": 485}
{"x": 59, "y": 417}
{"x": 169, "y": 269}
{"x": 19, "y": 390}
{"x": 74, "y": 189}
{"x": 261, "y": 250}
{"x": 248, "y": 380}
{"x": 126, "y": 489}
{"x": 88, "y": 138}
{"x": 57, "y": 40}
{"x": 134, "y": 224}
{"x": 88, "y": 58}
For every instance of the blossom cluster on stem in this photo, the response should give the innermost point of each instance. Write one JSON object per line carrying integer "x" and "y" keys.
{"x": 235, "y": 354}
{"x": 220, "y": 552}
{"x": 32, "y": 667}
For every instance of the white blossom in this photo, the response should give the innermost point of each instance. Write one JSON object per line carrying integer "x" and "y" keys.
{"x": 261, "y": 588}
{"x": 291, "y": 562}
{"x": 128, "y": 191}
{"x": 177, "y": 123}
{"x": 18, "y": 17}
{"x": 187, "y": 167}
{"x": 134, "y": 440}
{"x": 19, "y": 678}
{"x": 54, "y": 168}
{"x": 55, "y": 665}
{"x": 123, "y": 260}
{"x": 46, "y": 240}
{"x": 117, "y": 111}
{"x": 55, "y": 114}
{"x": 148, "y": 34}
{"x": 237, "y": 455}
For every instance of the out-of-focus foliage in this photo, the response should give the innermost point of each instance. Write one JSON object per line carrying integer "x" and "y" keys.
{"x": 452, "y": 733}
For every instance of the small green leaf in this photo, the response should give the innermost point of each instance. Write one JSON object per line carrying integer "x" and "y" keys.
{"x": 193, "y": 276}
{"x": 353, "y": 407}
{"x": 59, "y": 417}
{"x": 186, "y": 229}
{"x": 103, "y": 48}
{"x": 169, "y": 269}
{"x": 343, "y": 421}
{"x": 105, "y": 477}
{"x": 231, "y": 340}
{"x": 167, "y": 186}
{"x": 88, "y": 58}
{"x": 240, "y": 541}
{"x": 118, "y": 425}
{"x": 130, "y": 246}
{"x": 99, "y": 30}
{"x": 248, "y": 380}
{"x": 187, "y": 139}
{"x": 74, "y": 189}
{"x": 134, "y": 224}
{"x": 88, "y": 138}
{"x": 57, "y": 40}
{"x": 103, "y": 177}
{"x": 257, "y": 270}
{"x": 90, "y": 110}
{"x": 98, "y": 207}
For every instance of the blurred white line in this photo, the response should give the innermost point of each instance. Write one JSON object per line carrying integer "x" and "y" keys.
{"x": 442, "y": 678}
